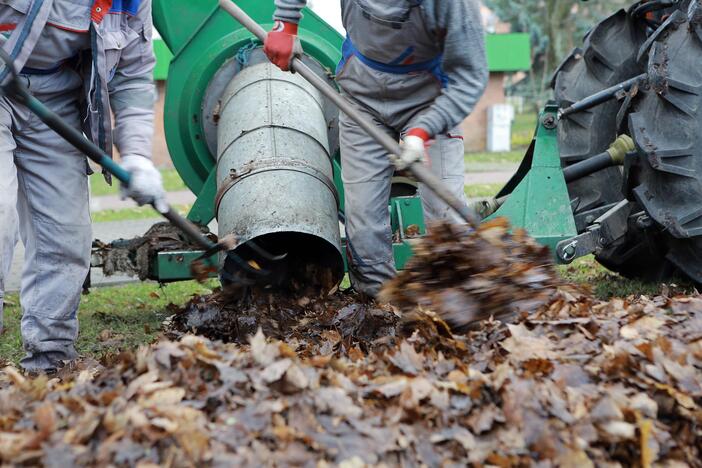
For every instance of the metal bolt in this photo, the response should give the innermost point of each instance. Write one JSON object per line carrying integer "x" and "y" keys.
{"x": 549, "y": 121}
{"x": 602, "y": 241}
{"x": 569, "y": 252}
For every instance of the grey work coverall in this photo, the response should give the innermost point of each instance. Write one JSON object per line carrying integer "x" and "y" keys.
{"x": 85, "y": 65}
{"x": 407, "y": 63}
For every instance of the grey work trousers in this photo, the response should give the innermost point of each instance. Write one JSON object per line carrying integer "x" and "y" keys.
{"x": 44, "y": 187}
{"x": 393, "y": 103}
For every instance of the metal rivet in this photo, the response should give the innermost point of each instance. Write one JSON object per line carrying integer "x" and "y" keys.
{"x": 98, "y": 9}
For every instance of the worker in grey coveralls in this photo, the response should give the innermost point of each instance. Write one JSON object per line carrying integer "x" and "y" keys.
{"x": 416, "y": 68}
{"x": 86, "y": 60}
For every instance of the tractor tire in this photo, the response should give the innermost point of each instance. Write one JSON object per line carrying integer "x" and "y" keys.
{"x": 608, "y": 57}
{"x": 666, "y": 177}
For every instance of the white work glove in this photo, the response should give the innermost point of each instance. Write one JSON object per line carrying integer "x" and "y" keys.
{"x": 145, "y": 185}
{"x": 413, "y": 150}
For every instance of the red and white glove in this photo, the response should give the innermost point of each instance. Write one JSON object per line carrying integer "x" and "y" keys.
{"x": 413, "y": 147}
{"x": 282, "y": 45}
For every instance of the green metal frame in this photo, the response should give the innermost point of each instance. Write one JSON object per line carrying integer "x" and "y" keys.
{"x": 175, "y": 266}
{"x": 536, "y": 200}
{"x": 538, "y": 196}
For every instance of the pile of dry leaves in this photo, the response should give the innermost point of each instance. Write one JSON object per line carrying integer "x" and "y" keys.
{"x": 315, "y": 381}
{"x": 578, "y": 383}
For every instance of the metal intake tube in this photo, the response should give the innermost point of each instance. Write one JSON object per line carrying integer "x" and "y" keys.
{"x": 274, "y": 175}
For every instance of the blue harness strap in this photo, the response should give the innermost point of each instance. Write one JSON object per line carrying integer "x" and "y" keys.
{"x": 39, "y": 71}
{"x": 71, "y": 62}
{"x": 433, "y": 66}
{"x": 130, "y": 7}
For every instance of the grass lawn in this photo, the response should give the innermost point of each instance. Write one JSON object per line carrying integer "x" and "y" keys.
{"x": 523, "y": 129}
{"x": 171, "y": 182}
{"x": 509, "y": 157}
{"x": 605, "y": 284}
{"x": 522, "y": 134}
{"x": 111, "y": 319}
{"x": 128, "y": 214}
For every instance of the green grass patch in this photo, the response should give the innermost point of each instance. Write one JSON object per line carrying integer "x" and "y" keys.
{"x": 482, "y": 190}
{"x": 129, "y": 214}
{"x": 111, "y": 319}
{"x": 509, "y": 157}
{"x": 523, "y": 129}
{"x": 606, "y": 284}
{"x": 171, "y": 183}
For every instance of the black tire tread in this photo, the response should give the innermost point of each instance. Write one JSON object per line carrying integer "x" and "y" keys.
{"x": 608, "y": 57}
{"x": 667, "y": 130}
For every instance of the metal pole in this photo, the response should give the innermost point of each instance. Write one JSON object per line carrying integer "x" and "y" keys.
{"x": 600, "y": 97}
{"x": 417, "y": 169}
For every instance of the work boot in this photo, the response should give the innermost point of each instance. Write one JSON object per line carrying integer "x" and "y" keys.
{"x": 35, "y": 364}
{"x": 33, "y": 374}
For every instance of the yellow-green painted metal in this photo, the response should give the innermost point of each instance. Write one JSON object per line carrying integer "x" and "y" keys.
{"x": 202, "y": 38}
{"x": 538, "y": 197}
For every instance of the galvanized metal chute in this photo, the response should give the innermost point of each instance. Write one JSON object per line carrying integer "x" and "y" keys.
{"x": 275, "y": 180}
